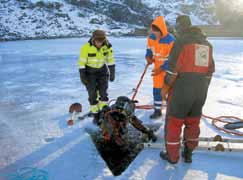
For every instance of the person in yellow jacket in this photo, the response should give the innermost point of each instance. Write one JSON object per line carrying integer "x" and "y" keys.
{"x": 159, "y": 45}
{"x": 96, "y": 68}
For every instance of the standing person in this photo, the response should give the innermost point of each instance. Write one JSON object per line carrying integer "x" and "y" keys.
{"x": 159, "y": 44}
{"x": 188, "y": 77}
{"x": 96, "y": 67}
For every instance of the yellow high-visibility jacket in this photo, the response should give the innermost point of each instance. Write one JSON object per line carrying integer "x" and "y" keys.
{"x": 95, "y": 58}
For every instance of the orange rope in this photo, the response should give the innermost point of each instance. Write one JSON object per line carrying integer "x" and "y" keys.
{"x": 140, "y": 81}
{"x": 220, "y": 119}
{"x": 144, "y": 107}
{"x": 214, "y": 120}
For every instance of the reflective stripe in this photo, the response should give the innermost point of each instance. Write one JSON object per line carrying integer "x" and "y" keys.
{"x": 157, "y": 102}
{"x": 157, "y": 54}
{"x": 96, "y": 60}
{"x": 81, "y": 67}
{"x": 196, "y": 139}
{"x": 173, "y": 143}
{"x": 170, "y": 72}
{"x": 111, "y": 63}
{"x": 82, "y": 62}
{"x": 157, "y": 107}
{"x": 83, "y": 59}
{"x": 95, "y": 63}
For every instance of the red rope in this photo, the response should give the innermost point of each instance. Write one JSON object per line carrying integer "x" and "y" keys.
{"x": 214, "y": 120}
{"x": 144, "y": 107}
{"x": 140, "y": 81}
{"x": 220, "y": 119}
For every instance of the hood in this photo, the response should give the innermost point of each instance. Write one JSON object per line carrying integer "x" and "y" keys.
{"x": 160, "y": 23}
{"x": 194, "y": 31}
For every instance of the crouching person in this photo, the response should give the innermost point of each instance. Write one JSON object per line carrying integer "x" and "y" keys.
{"x": 115, "y": 119}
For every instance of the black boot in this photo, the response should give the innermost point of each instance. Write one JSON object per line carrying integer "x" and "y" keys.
{"x": 96, "y": 119}
{"x": 165, "y": 156}
{"x": 187, "y": 154}
{"x": 157, "y": 113}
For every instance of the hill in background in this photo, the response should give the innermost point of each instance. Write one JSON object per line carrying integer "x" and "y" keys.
{"x": 33, "y": 19}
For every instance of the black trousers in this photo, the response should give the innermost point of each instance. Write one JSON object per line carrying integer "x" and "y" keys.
{"x": 97, "y": 82}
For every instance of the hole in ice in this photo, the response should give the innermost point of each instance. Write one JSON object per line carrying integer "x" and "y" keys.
{"x": 118, "y": 158}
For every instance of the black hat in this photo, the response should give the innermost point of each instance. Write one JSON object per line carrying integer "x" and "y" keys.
{"x": 183, "y": 22}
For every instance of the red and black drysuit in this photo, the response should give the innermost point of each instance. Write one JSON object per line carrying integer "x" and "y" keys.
{"x": 189, "y": 73}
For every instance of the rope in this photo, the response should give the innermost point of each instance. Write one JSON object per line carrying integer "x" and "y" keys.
{"x": 27, "y": 173}
{"x": 140, "y": 81}
{"x": 214, "y": 120}
{"x": 221, "y": 119}
{"x": 144, "y": 107}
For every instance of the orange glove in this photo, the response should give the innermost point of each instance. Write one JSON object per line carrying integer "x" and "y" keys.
{"x": 164, "y": 92}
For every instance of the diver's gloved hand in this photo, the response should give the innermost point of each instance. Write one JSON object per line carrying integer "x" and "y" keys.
{"x": 151, "y": 135}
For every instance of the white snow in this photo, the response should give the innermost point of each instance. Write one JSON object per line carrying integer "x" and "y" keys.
{"x": 26, "y": 20}
{"x": 39, "y": 80}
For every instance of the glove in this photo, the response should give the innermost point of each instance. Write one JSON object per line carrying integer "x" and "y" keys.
{"x": 83, "y": 76}
{"x": 163, "y": 67}
{"x": 112, "y": 72}
{"x": 151, "y": 135}
{"x": 149, "y": 60}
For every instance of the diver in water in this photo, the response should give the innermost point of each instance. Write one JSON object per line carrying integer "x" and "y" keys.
{"x": 114, "y": 121}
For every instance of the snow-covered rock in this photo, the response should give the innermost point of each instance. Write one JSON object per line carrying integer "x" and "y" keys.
{"x": 27, "y": 19}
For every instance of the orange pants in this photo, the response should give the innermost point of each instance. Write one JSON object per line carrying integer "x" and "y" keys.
{"x": 158, "y": 80}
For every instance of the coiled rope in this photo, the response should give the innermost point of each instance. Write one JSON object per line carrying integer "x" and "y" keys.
{"x": 225, "y": 120}
{"x": 26, "y": 173}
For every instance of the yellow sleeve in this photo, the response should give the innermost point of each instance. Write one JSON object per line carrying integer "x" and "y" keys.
{"x": 83, "y": 57}
{"x": 110, "y": 58}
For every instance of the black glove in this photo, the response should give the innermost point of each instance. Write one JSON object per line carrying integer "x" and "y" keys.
{"x": 151, "y": 135}
{"x": 112, "y": 72}
{"x": 83, "y": 76}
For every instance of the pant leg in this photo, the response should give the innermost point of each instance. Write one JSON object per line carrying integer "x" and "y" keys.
{"x": 158, "y": 82}
{"x": 92, "y": 89}
{"x": 172, "y": 137}
{"x": 102, "y": 85}
{"x": 157, "y": 98}
{"x": 192, "y": 131}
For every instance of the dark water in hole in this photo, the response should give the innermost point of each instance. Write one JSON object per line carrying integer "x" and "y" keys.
{"x": 118, "y": 158}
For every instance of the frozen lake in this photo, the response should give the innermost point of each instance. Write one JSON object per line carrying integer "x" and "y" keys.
{"x": 39, "y": 80}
